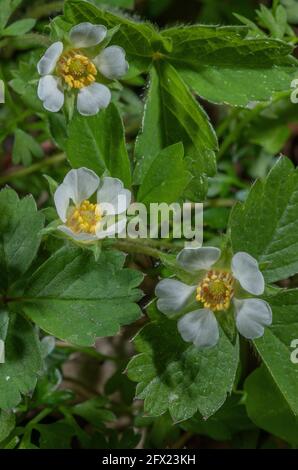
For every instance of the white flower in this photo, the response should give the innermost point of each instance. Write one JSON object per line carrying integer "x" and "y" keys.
{"x": 86, "y": 221}
{"x": 71, "y": 68}
{"x": 2, "y": 351}
{"x": 215, "y": 291}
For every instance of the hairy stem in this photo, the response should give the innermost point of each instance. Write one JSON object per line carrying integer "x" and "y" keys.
{"x": 21, "y": 172}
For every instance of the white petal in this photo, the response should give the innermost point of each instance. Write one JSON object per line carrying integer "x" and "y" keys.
{"x": 82, "y": 237}
{"x": 2, "y": 351}
{"x": 93, "y": 98}
{"x": 195, "y": 259}
{"x": 111, "y": 62}
{"x": 246, "y": 269}
{"x": 49, "y": 93}
{"x": 62, "y": 197}
{"x": 77, "y": 185}
{"x": 252, "y": 315}
{"x": 48, "y": 62}
{"x": 173, "y": 296}
{"x": 112, "y": 196}
{"x": 111, "y": 230}
{"x": 87, "y": 34}
{"x": 200, "y": 328}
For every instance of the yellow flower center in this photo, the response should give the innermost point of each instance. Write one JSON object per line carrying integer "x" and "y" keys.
{"x": 76, "y": 69}
{"x": 216, "y": 290}
{"x": 84, "y": 218}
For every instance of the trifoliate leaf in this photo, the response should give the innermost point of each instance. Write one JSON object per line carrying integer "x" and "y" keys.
{"x": 266, "y": 225}
{"x": 174, "y": 375}
{"x": 20, "y": 226}
{"x": 98, "y": 143}
{"x": 77, "y": 299}
{"x": 23, "y": 361}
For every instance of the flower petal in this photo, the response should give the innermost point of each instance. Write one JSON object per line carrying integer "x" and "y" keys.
{"x": 61, "y": 198}
{"x": 48, "y": 62}
{"x": 93, "y": 98}
{"x": 252, "y": 315}
{"x": 87, "y": 34}
{"x": 81, "y": 237}
{"x": 246, "y": 269}
{"x": 173, "y": 296}
{"x": 195, "y": 259}
{"x": 200, "y": 328}
{"x": 111, "y": 62}
{"x": 113, "y": 197}
{"x": 2, "y": 351}
{"x": 77, "y": 185}
{"x": 49, "y": 93}
{"x": 111, "y": 230}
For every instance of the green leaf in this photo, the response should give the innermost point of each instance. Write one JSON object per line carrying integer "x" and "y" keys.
{"x": 172, "y": 115}
{"x": 19, "y": 27}
{"x": 268, "y": 408}
{"x": 98, "y": 143}
{"x": 78, "y": 299}
{"x": 276, "y": 24}
{"x": 136, "y": 38}
{"x": 20, "y": 226}
{"x": 7, "y": 423}
{"x": 24, "y": 147}
{"x": 223, "y": 66}
{"x": 58, "y": 129}
{"x": 266, "y": 225}
{"x": 6, "y": 10}
{"x": 128, "y": 4}
{"x": 275, "y": 346}
{"x": 94, "y": 411}
{"x": 216, "y": 217}
{"x": 272, "y": 128}
{"x": 21, "y": 82}
{"x": 23, "y": 362}
{"x": 230, "y": 419}
{"x": 174, "y": 375}
{"x": 56, "y": 435}
{"x": 292, "y": 10}
{"x": 166, "y": 178}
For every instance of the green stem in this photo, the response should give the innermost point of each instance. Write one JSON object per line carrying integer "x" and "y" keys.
{"x": 30, "y": 426}
{"x": 131, "y": 247}
{"x": 225, "y": 124}
{"x": 39, "y": 417}
{"x": 182, "y": 440}
{"x": 88, "y": 351}
{"x": 156, "y": 243}
{"x": 21, "y": 172}
{"x": 220, "y": 203}
{"x": 40, "y": 11}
